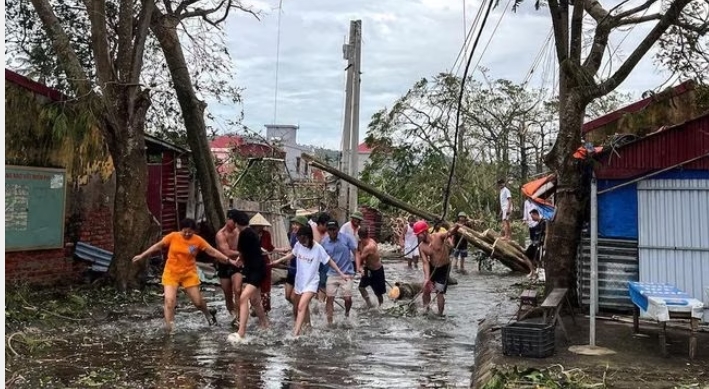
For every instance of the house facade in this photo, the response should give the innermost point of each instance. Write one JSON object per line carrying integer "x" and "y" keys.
{"x": 60, "y": 184}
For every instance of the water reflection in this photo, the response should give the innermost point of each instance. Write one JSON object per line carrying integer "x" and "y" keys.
{"x": 371, "y": 349}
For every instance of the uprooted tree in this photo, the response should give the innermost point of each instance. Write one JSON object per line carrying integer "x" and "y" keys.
{"x": 684, "y": 22}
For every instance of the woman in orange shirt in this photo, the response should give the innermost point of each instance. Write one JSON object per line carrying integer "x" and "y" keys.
{"x": 181, "y": 269}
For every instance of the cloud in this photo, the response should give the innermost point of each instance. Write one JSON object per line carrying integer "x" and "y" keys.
{"x": 403, "y": 41}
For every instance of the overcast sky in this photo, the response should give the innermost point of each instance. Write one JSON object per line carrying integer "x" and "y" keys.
{"x": 403, "y": 41}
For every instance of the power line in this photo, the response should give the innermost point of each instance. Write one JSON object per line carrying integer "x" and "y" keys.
{"x": 446, "y": 194}
{"x": 504, "y": 11}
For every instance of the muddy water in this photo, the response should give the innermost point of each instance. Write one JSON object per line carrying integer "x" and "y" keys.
{"x": 371, "y": 349}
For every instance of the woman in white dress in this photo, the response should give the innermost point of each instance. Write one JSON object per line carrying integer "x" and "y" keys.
{"x": 309, "y": 255}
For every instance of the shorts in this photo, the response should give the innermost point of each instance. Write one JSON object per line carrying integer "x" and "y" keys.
{"x": 411, "y": 252}
{"x": 337, "y": 283}
{"x": 227, "y": 271}
{"x": 290, "y": 277}
{"x": 254, "y": 276}
{"x": 505, "y": 216}
{"x": 185, "y": 279}
{"x": 323, "y": 277}
{"x": 375, "y": 279}
{"x": 439, "y": 279}
{"x": 460, "y": 253}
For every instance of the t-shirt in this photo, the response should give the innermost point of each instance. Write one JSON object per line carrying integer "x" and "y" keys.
{"x": 538, "y": 231}
{"x": 249, "y": 246}
{"x": 182, "y": 252}
{"x": 505, "y": 197}
{"x": 309, "y": 261}
{"x": 340, "y": 251}
{"x": 349, "y": 230}
{"x": 528, "y": 207}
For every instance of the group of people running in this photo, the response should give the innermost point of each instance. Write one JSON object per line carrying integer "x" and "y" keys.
{"x": 322, "y": 261}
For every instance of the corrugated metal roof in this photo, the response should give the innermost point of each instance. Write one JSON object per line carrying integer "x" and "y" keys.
{"x": 662, "y": 149}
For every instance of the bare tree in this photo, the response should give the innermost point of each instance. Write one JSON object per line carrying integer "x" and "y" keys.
{"x": 119, "y": 104}
{"x": 580, "y": 83}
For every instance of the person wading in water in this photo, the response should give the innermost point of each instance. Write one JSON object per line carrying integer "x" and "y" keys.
{"x": 251, "y": 257}
{"x": 369, "y": 264}
{"x": 339, "y": 247}
{"x": 181, "y": 269}
{"x": 230, "y": 276}
{"x": 296, "y": 223}
{"x": 409, "y": 243}
{"x": 436, "y": 262}
{"x": 259, "y": 223}
{"x": 310, "y": 255}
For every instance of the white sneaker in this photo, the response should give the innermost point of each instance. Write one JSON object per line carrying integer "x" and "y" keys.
{"x": 235, "y": 338}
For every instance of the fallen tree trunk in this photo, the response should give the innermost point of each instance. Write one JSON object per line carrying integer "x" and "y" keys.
{"x": 503, "y": 250}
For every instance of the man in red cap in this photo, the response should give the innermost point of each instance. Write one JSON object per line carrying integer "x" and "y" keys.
{"x": 435, "y": 256}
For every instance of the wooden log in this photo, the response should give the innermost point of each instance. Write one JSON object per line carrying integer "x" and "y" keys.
{"x": 492, "y": 236}
{"x": 505, "y": 252}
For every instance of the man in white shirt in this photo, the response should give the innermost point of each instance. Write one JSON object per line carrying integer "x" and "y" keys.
{"x": 410, "y": 244}
{"x": 526, "y": 217}
{"x": 505, "y": 206}
{"x": 351, "y": 228}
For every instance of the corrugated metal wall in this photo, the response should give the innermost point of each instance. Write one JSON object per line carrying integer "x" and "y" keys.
{"x": 617, "y": 264}
{"x": 673, "y": 220}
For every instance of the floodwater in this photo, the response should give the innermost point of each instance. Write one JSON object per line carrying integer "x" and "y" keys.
{"x": 371, "y": 349}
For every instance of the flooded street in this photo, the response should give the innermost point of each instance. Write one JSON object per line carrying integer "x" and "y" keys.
{"x": 371, "y": 349}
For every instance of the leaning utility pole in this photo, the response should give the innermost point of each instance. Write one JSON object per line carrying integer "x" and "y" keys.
{"x": 350, "y": 131}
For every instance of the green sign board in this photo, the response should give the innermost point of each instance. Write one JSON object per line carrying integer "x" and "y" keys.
{"x": 34, "y": 208}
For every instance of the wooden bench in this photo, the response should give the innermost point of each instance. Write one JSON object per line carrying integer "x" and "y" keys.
{"x": 527, "y": 301}
{"x": 551, "y": 308}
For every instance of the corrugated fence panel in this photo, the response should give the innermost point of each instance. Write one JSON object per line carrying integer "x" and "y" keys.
{"x": 673, "y": 221}
{"x": 617, "y": 265}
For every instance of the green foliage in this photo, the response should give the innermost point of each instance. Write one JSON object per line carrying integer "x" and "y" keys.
{"x": 555, "y": 377}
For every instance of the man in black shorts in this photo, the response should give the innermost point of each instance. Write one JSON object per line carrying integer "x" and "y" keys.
{"x": 251, "y": 257}
{"x": 230, "y": 276}
{"x": 369, "y": 264}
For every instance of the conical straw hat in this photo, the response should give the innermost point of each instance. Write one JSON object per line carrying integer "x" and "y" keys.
{"x": 394, "y": 293}
{"x": 259, "y": 220}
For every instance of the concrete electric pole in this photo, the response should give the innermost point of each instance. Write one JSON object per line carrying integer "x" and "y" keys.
{"x": 350, "y": 132}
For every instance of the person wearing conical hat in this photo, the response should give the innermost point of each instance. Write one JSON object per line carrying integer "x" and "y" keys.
{"x": 259, "y": 223}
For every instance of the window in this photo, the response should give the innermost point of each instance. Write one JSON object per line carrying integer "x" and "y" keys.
{"x": 297, "y": 165}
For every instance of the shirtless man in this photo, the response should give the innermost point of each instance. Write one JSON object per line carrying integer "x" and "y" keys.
{"x": 369, "y": 264}
{"x": 436, "y": 262}
{"x": 230, "y": 276}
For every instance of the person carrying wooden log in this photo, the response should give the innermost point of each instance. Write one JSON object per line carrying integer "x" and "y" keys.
{"x": 435, "y": 254}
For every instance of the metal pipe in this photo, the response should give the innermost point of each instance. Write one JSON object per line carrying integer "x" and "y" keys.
{"x": 594, "y": 260}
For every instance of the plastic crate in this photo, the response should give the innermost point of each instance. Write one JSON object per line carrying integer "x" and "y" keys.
{"x": 528, "y": 339}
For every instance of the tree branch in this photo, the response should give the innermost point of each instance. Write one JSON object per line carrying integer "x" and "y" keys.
{"x": 637, "y": 20}
{"x": 560, "y": 32}
{"x": 596, "y": 10}
{"x": 99, "y": 42}
{"x": 139, "y": 39}
{"x": 576, "y": 34}
{"x": 125, "y": 39}
{"x": 68, "y": 58}
{"x": 669, "y": 18}
{"x": 633, "y": 11}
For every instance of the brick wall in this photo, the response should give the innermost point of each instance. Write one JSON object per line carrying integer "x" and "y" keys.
{"x": 43, "y": 267}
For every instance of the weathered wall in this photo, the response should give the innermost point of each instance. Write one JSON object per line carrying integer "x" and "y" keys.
{"x": 39, "y": 132}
